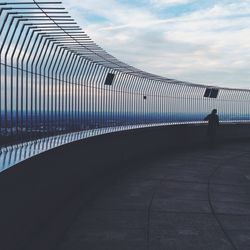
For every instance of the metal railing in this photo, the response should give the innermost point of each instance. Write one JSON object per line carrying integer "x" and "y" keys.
{"x": 55, "y": 80}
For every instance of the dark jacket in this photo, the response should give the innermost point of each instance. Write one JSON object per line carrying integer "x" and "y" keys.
{"x": 213, "y": 123}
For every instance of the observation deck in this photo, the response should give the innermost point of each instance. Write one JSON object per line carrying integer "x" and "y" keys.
{"x": 148, "y": 188}
{"x": 97, "y": 154}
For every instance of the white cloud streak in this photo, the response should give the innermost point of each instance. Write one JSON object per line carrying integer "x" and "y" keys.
{"x": 170, "y": 2}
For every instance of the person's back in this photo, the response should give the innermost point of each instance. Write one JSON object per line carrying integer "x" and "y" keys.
{"x": 213, "y": 123}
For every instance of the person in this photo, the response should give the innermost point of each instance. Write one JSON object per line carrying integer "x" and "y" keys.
{"x": 213, "y": 123}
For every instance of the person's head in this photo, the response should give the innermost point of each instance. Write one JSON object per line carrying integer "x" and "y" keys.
{"x": 214, "y": 111}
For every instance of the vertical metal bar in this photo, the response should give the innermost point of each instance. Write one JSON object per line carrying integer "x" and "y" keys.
{"x": 82, "y": 97}
{"x": 54, "y": 103}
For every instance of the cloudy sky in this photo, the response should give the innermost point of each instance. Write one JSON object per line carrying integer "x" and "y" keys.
{"x": 201, "y": 41}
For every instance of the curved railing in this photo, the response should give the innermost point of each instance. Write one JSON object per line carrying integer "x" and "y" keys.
{"x": 55, "y": 80}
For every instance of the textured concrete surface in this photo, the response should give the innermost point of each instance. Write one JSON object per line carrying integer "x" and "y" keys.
{"x": 191, "y": 200}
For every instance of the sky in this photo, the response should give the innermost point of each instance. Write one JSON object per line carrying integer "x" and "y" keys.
{"x": 204, "y": 42}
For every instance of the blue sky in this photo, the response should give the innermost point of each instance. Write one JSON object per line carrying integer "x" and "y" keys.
{"x": 198, "y": 41}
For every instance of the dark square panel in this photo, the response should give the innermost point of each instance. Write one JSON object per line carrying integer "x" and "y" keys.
{"x": 109, "y": 79}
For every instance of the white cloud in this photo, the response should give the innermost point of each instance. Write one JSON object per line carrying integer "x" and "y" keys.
{"x": 209, "y": 45}
{"x": 170, "y": 2}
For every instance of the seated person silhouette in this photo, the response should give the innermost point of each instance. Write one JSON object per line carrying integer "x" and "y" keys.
{"x": 213, "y": 123}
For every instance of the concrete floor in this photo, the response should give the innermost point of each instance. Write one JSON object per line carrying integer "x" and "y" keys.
{"x": 192, "y": 200}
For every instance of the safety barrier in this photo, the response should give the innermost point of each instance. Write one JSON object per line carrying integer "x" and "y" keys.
{"x": 55, "y": 80}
